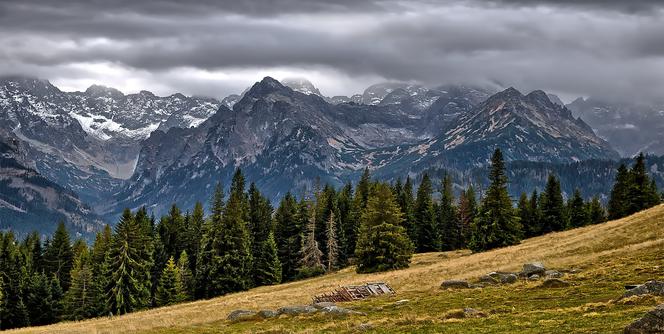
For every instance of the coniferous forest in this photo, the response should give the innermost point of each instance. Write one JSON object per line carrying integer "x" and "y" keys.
{"x": 243, "y": 241}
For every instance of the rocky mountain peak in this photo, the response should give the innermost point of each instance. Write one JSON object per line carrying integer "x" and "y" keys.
{"x": 264, "y": 87}
{"x": 301, "y": 85}
{"x": 103, "y": 91}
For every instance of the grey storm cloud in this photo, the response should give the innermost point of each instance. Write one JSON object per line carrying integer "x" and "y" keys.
{"x": 613, "y": 48}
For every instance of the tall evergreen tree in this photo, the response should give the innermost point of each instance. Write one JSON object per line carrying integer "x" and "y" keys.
{"x": 346, "y": 223}
{"x": 578, "y": 213}
{"x": 332, "y": 246}
{"x": 127, "y": 291}
{"x": 288, "y": 236}
{"x": 450, "y": 229}
{"x": 496, "y": 224}
{"x": 211, "y": 231}
{"x": 100, "y": 251}
{"x": 262, "y": 227}
{"x": 533, "y": 226}
{"x": 406, "y": 202}
{"x": 427, "y": 239}
{"x": 383, "y": 243}
{"x": 554, "y": 216}
{"x": 230, "y": 267}
{"x": 186, "y": 283}
{"x": 59, "y": 257}
{"x": 467, "y": 212}
{"x": 39, "y": 301}
{"x": 619, "y": 200}
{"x": 641, "y": 193}
{"x": 269, "y": 270}
{"x": 14, "y": 314}
{"x": 80, "y": 300}
{"x": 195, "y": 234}
{"x": 167, "y": 291}
{"x": 596, "y": 212}
{"x": 311, "y": 263}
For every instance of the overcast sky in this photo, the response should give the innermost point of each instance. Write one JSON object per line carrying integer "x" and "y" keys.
{"x": 215, "y": 48}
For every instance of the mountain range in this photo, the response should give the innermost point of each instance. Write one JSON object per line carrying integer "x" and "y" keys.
{"x": 116, "y": 150}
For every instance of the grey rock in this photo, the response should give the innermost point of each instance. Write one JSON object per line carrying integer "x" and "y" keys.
{"x": 241, "y": 315}
{"x": 534, "y": 277}
{"x": 503, "y": 277}
{"x": 297, "y": 310}
{"x": 455, "y": 284}
{"x": 555, "y": 283}
{"x": 323, "y": 305}
{"x": 336, "y": 310}
{"x": 365, "y": 326}
{"x": 652, "y": 322}
{"x": 648, "y": 288}
{"x": 553, "y": 274}
{"x": 533, "y": 268}
{"x": 267, "y": 314}
{"x": 401, "y": 302}
{"x": 487, "y": 279}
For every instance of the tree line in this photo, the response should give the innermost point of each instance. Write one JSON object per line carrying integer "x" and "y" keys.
{"x": 244, "y": 242}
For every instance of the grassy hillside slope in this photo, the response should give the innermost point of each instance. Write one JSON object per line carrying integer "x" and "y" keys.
{"x": 626, "y": 251}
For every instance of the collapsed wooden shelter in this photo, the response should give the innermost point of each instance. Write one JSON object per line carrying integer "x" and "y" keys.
{"x": 355, "y": 292}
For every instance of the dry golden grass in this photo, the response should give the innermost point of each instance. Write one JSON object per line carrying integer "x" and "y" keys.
{"x": 584, "y": 248}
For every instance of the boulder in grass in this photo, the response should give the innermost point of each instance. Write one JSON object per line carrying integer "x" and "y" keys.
{"x": 555, "y": 283}
{"x": 655, "y": 288}
{"x": 241, "y": 315}
{"x": 455, "y": 284}
{"x": 488, "y": 279}
{"x": 267, "y": 314}
{"x": 652, "y": 322}
{"x": 504, "y": 278}
{"x": 534, "y": 277}
{"x": 533, "y": 268}
{"x": 297, "y": 310}
{"x": 321, "y": 305}
{"x": 336, "y": 310}
{"x": 553, "y": 274}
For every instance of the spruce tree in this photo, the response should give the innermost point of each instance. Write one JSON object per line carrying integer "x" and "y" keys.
{"x": 167, "y": 291}
{"x": 451, "y": 237}
{"x": 261, "y": 227}
{"x": 310, "y": 255}
{"x": 578, "y": 213}
{"x": 207, "y": 251}
{"x": 641, "y": 192}
{"x": 554, "y": 216}
{"x": 533, "y": 227}
{"x": 345, "y": 223}
{"x": 14, "y": 313}
{"x": 596, "y": 212}
{"x": 195, "y": 234}
{"x": 332, "y": 246}
{"x": 231, "y": 263}
{"x": 523, "y": 208}
{"x": 186, "y": 284}
{"x": 496, "y": 224}
{"x": 288, "y": 236}
{"x": 383, "y": 243}
{"x": 127, "y": 291}
{"x": 426, "y": 239}
{"x": 59, "y": 257}
{"x": 100, "y": 251}
{"x": 39, "y": 301}
{"x": 467, "y": 212}
{"x": 407, "y": 205}
{"x": 268, "y": 271}
{"x": 80, "y": 300}
{"x": 619, "y": 200}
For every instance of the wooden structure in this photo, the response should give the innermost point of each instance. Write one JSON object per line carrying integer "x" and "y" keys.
{"x": 355, "y": 292}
